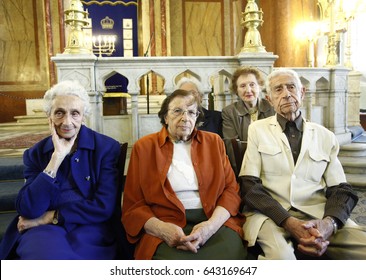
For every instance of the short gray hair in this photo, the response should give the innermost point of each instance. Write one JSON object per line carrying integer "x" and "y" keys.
{"x": 65, "y": 88}
{"x": 282, "y": 71}
{"x": 191, "y": 80}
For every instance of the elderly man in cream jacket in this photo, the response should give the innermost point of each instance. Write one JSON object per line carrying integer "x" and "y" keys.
{"x": 293, "y": 186}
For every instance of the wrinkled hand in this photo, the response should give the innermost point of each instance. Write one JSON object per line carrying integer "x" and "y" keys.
{"x": 199, "y": 235}
{"x": 24, "y": 223}
{"x": 174, "y": 235}
{"x": 324, "y": 227}
{"x": 296, "y": 228}
{"x": 62, "y": 146}
{"x": 204, "y": 230}
{"x": 317, "y": 245}
{"x": 170, "y": 233}
{"x": 313, "y": 246}
{"x": 311, "y": 235}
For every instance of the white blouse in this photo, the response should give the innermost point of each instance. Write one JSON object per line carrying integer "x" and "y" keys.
{"x": 182, "y": 176}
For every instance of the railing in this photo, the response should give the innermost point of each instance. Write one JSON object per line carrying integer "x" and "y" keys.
{"x": 326, "y": 101}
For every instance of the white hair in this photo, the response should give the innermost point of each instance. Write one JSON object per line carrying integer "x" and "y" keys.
{"x": 68, "y": 87}
{"x": 282, "y": 71}
{"x": 191, "y": 80}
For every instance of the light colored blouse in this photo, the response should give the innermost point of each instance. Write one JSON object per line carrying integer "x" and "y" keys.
{"x": 182, "y": 176}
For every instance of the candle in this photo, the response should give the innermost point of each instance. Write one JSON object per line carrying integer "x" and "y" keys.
{"x": 332, "y": 13}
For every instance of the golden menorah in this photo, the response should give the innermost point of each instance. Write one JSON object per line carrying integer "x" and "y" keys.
{"x": 104, "y": 44}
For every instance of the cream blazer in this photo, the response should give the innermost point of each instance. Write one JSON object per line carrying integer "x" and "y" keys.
{"x": 268, "y": 156}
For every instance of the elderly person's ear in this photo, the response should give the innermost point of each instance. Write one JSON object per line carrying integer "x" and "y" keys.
{"x": 268, "y": 98}
{"x": 303, "y": 91}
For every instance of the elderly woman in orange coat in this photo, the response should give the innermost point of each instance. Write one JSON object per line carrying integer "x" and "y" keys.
{"x": 181, "y": 198}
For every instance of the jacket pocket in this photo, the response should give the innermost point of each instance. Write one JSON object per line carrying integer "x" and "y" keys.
{"x": 271, "y": 157}
{"x": 316, "y": 165}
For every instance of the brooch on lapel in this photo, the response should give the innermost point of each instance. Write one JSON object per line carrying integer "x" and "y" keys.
{"x": 200, "y": 124}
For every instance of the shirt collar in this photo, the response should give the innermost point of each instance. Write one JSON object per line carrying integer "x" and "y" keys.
{"x": 262, "y": 107}
{"x": 283, "y": 121}
{"x": 164, "y": 136}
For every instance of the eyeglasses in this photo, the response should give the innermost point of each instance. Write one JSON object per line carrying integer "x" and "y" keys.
{"x": 177, "y": 112}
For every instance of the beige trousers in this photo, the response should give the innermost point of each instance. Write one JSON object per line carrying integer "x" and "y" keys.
{"x": 349, "y": 243}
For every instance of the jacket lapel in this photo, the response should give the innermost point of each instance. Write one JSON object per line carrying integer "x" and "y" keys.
{"x": 277, "y": 131}
{"x": 281, "y": 137}
{"x": 307, "y": 138}
{"x": 80, "y": 162}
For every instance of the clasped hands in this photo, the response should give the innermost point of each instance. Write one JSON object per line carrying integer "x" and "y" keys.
{"x": 174, "y": 236}
{"x": 24, "y": 223}
{"x": 312, "y": 235}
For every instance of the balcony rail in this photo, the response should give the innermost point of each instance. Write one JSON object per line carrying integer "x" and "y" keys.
{"x": 332, "y": 94}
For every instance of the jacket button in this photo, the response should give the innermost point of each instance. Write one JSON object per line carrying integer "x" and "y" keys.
{"x": 87, "y": 178}
{"x": 77, "y": 159}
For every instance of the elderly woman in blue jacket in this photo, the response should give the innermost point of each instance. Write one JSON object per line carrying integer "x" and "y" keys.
{"x": 69, "y": 195}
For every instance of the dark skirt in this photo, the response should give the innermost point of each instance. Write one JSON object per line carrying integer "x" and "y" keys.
{"x": 225, "y": 244}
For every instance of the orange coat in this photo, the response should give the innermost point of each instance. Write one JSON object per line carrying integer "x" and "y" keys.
{"x": 148, "y": 192}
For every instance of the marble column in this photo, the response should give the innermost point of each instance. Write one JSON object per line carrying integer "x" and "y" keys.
{"x": 337, "y": 105}
{"x": 134, "y": 114}
{"x": 277, "y": 31}
{"x": 353, "y": 101}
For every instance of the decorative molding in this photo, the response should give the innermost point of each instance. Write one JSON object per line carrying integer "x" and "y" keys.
{"x": 102, "y": 3}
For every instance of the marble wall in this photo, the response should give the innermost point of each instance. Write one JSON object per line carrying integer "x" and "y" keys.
{"x": 188, "y": 28}
{"x": 206, "y": 28}
{"x": 26, "y": 45}
{"x": 21, "y": 43}
{"x": 278, "y": 29}
{"x": 32, "y": 31}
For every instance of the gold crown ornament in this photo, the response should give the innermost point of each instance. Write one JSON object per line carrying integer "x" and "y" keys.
{"x": 107, "y": 23}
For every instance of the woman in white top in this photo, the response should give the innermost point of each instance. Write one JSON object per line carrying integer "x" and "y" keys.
{"x": 181, "y": 198}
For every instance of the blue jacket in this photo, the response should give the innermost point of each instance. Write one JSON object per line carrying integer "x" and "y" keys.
{"x": 92, "y": 169}
{"x": 212, "y": 122}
